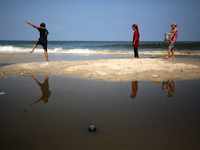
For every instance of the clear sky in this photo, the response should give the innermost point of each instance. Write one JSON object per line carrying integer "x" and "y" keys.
{"x": 99, "y": 20}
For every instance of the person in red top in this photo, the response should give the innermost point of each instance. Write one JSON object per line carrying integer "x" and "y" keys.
{"x": 136, "y": 37}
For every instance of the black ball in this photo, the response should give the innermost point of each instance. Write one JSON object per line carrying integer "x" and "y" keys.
{"x": 92, "y": 128}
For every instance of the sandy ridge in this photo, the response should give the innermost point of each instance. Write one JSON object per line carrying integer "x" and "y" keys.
{"x": 155, "y": 69}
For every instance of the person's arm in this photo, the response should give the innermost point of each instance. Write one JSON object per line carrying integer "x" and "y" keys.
{"x": 134, "y": 41}
{"x": 35, "y": 79}
{"x": 35, "y": 102}
{"x": 136, "y": 37}
{"x": 31, "y": 24}
{"x": 172, "y": 35}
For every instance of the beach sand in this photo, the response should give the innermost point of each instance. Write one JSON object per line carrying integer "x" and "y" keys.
{"x": 120, "y": 69}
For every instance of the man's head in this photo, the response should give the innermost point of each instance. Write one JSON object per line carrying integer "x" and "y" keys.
{"x": 45, "y": 100}
{"x": 42, "y": 25}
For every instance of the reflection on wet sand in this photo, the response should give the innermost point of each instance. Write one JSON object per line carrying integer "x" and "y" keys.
{"x": 166, "y": 86}
{"x": 150, "y": 121}
{"x": 45, "y": 90}
{"x": 169, "y": 86}
{"x": 134, "y": 89}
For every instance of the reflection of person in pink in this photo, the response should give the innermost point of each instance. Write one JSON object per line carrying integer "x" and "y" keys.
{"x": 134, "y": 89}
{"x": 170, "y": 87}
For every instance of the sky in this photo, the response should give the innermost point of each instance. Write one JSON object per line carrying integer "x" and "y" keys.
{"x": 99, "y": 20}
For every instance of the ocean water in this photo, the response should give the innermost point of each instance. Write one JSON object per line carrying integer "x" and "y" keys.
{"x": 101, "y": 47}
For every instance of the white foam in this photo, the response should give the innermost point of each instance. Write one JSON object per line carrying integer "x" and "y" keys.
{"x": 11, "y": 49}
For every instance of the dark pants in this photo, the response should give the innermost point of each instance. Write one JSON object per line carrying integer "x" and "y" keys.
{"x": 136, "y": 52}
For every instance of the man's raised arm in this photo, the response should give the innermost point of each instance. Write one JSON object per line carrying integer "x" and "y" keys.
{"x": 31, "y": 24}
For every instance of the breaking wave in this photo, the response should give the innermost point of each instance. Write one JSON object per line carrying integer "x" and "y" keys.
{"x": 12, "y": 49}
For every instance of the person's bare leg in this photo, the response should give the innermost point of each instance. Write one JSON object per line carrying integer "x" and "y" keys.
{"x": 46, "y": 55}
{"x": 168, "y": 54}
{"x": 34, "y": 47}
{"x": 173, "y": 54}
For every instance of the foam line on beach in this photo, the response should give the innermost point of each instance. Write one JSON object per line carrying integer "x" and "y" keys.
{"x": 11, "y": 49}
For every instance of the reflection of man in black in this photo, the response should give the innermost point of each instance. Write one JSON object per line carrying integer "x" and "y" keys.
{"x": 134, "y": 89}
{"x": 169, "y": 86}
{"x": 45, "y": 90}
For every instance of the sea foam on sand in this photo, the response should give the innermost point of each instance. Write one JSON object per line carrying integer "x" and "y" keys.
{"x": 111, "y": 69}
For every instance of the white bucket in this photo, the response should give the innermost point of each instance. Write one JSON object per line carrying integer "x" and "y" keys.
{"x": 167, "y": 36}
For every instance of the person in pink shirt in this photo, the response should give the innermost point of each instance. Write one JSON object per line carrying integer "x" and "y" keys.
{"x": 172, "y": 40}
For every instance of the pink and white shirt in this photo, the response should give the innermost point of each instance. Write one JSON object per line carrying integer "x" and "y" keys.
{"x": 175, "y": 35}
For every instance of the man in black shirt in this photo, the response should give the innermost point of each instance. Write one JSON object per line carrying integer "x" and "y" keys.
{"x": 43, "y": 37}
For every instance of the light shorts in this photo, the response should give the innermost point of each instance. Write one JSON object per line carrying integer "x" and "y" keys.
{"x": 171, "y": 46}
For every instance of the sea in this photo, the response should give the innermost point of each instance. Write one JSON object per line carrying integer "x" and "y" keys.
{"x": 102, "y": 47}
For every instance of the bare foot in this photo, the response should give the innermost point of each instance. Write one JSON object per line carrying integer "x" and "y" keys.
{"x": 172, "y": 57}
{"x": 167, "y": 57}
{"x": 31, "y": 51}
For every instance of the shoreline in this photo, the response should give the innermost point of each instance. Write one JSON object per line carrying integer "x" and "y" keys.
{"x": 120, "y": 69}
{"x": 11, "y": 57}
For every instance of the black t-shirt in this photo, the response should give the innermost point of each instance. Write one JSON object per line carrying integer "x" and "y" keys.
{"x": 43, "y": 35}
{"x": 45, "y": 89}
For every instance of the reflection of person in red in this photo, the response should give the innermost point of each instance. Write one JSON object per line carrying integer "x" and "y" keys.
{"x": 134, "y": 89}
{"x": 169, "y": 86}
{"x": 45, "y": 90}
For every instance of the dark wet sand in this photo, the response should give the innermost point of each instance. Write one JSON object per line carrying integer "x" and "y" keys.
{"x": 11, "y": 57}
{"x": 150, "y": 121}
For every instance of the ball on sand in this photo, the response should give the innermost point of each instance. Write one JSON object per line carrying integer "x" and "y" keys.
{"x": 22, "y": 74}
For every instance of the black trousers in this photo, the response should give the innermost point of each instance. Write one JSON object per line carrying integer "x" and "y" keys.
{"x": 136, "y": 52}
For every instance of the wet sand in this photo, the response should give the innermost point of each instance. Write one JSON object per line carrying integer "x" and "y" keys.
{"x": 149, "y": 121}
{"x": 121, "y": 69}
{"x": 11, "y": 57}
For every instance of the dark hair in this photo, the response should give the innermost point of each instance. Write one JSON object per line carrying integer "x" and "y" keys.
{"x": 135, "y": 26}
{"x": 42, "y": 25}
